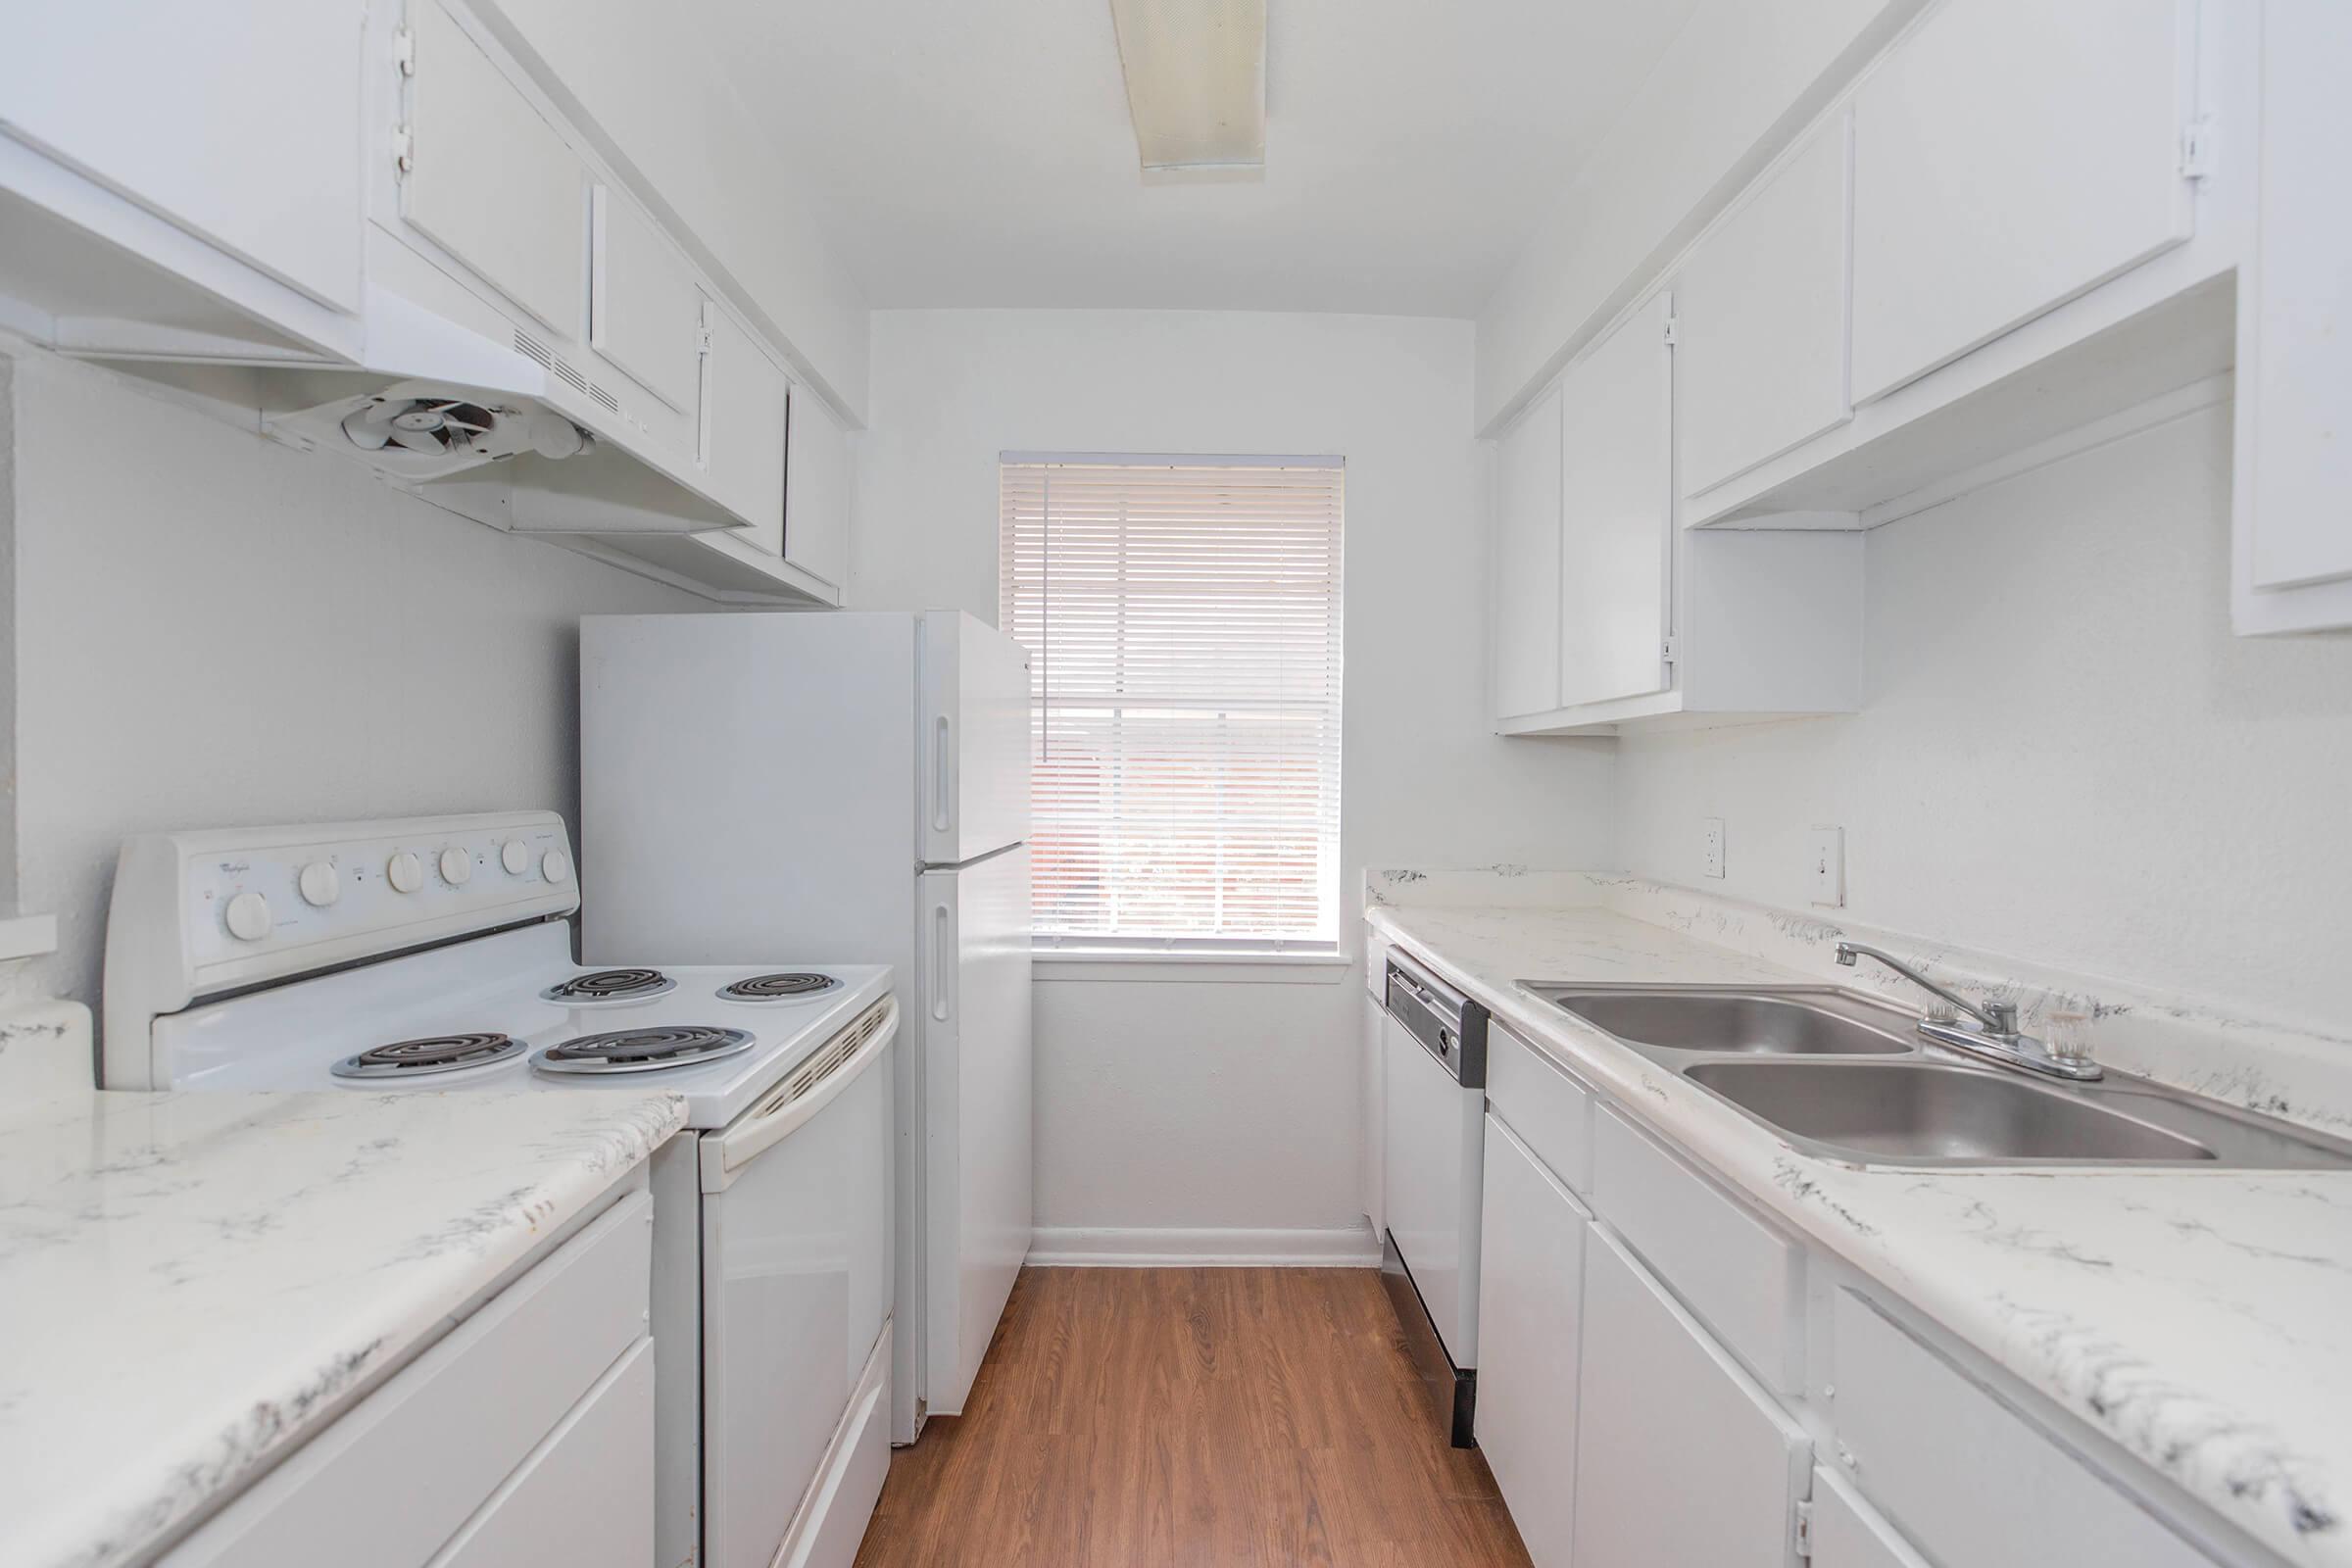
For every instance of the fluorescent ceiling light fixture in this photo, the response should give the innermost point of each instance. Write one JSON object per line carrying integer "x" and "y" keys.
{"x": 1195, "y": 85}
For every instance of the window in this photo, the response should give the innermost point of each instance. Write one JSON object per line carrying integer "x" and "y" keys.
{"x": 1182, "y": 618}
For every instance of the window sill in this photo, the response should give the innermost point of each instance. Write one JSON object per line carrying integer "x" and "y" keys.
{"x": 1216, "y": 968}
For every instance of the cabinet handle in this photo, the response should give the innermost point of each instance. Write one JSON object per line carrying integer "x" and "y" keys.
{"x": 939, "y": 963}
{"x": 942, "y": 776}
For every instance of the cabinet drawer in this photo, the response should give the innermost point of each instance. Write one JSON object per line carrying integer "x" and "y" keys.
{"x": 454, "y": 1425}
{"x": 1929, "y": 1447}
{"x": 1550, "y": 1111}
{"x": 585, "y": 1499}
{"x": 1737, "y": 1272}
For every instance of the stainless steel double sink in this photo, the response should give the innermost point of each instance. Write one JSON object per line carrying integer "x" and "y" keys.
{"x": 1850, "y": 1079}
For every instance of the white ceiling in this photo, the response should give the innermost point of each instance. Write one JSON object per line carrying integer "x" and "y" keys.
{"x": 978, "y": 152}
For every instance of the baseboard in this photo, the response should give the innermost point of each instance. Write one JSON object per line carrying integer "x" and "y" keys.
{"x": 1149, "y": 1248}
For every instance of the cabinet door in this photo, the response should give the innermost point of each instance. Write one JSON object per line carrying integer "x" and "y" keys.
{"x": 743, "y": 429}
{"x": 1760, "y": 339}
{"x": 645, "y": 312}
{"x": 209, "y": 116}
{"x": 1846, "y": 1533}
{"x": 816, "y": 491}
{"x": 1529, "y": 1299}
{"x": 2300, "y": 374}
{"x": 1617, "y": 511}
{"x": 1526, "y": 562}
{"x": 490, "y": 181}
{"x": 2008, "y": 155}
{"x": 1375, "y": 1112}
{"x": 1686, "y": 1460}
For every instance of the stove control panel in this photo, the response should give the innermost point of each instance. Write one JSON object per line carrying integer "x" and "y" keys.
{"x": 195, "y": 914}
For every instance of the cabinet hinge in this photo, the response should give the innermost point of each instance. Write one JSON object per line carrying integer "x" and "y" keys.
{"x": 1667, "y": 651}
{"x": 1670, "y": 321}
{"x": 2196, "y": 149}
{"x": 1802, "y": 1526}
{"x": 402, "y": 149}
{"x": 404, "y": 50}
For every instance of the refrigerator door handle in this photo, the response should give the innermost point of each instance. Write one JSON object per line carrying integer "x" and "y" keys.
{"x": 941, "y": 964}
{"x": 942, "y": 776}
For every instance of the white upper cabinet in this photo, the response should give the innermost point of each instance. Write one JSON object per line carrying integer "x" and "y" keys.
{"x": 1761, "y": 342}
{"x": 816, "y": 491}
{"x": 489, "y": 179}
{"x": 2294, "y": 546}
{"x": 1688, "y": 1461}
{"x": 1526, "y": 562}
{"x": 645, "y": 307}
{"x": 743, "y": 430}
{"x": 1617, "y": 511}
{"x": 239, "y": 124}
{"x": 2008, "y": 155}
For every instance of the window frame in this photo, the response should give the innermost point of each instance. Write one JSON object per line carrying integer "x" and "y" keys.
{"x": 1307, "y": 960}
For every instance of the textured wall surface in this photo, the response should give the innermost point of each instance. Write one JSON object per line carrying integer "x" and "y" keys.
{"x": 2064, "y": 754}
{"x": 212, "y": 629}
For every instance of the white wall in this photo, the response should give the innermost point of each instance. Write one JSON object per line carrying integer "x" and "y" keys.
{"x": 2064, "y": 754}
{"x": 1738, "y": 83}
{"x": 1196, "y": 1104}
{"x": 212, "y": 629}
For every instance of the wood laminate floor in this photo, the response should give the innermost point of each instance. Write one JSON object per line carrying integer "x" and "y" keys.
{"x": 1153, "y": 1417}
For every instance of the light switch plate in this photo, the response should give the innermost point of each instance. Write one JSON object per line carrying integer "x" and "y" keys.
{"x": 1826, "y": 866}
{"x": 1711, "y": 849}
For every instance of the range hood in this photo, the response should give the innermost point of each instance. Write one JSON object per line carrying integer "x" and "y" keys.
{"x": 498, "y": 429}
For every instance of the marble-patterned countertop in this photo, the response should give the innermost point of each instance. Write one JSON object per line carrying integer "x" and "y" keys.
{"x": 2203, "y": 1320}
{"x": 190, "y": 1283}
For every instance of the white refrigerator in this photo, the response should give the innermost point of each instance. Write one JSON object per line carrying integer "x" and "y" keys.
{"x": 849, "y": 787}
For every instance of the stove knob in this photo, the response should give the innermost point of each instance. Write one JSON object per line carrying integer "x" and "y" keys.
{"x": 556, "y": 866}
{"x": 248, "y": 917}
{"x": 321, "y": 884}
{"x": 404, "y": 872}
{"x": 456, "y": 867}
{"x": 516, "y": 856}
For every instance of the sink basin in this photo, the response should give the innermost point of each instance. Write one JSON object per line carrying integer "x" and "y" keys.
{"x": 1920, "y": 1111}
{"x": 1847, "y": 1077}
{"x": 1748, "y": 1023}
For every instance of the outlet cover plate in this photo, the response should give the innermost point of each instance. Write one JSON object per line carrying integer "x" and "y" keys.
{"x": 1711, "y": 848}
{"x": 1825, "y": 866}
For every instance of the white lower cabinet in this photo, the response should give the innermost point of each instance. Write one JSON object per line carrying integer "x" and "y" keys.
{"x": 1683, "y": 1460}
{"x": 1372, "y": 1124}
{"x": 1531, "y": 1284}
{"x": 1927, "y": 1445}
{"x": 526, "y": 1436}
{"x": 1847, "y": 1535}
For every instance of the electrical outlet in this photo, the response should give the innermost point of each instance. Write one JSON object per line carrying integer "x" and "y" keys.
{"x": 1711, "y": 848}
{"x": 1826, "y": 866}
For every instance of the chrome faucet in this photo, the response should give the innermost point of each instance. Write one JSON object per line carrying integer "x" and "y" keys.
{"x": 1995, "y": 1037}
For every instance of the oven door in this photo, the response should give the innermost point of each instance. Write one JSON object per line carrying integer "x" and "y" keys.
{"x": 796, "y": 1287}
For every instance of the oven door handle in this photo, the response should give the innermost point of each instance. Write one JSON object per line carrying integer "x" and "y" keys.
{"x": 781, "y": 1113}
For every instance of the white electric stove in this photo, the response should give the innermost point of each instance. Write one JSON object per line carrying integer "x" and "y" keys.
{"x": 434, "y": 955}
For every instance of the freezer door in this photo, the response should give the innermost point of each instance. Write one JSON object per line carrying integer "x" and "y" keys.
{"x": 973, "y": 963}
{"x": 973, "y": 787}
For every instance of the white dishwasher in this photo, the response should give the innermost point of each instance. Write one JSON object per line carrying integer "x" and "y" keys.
{"x": 1433, "y": 1065}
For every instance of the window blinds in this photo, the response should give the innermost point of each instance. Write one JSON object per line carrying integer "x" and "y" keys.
{"x": 1183, "y": 620}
